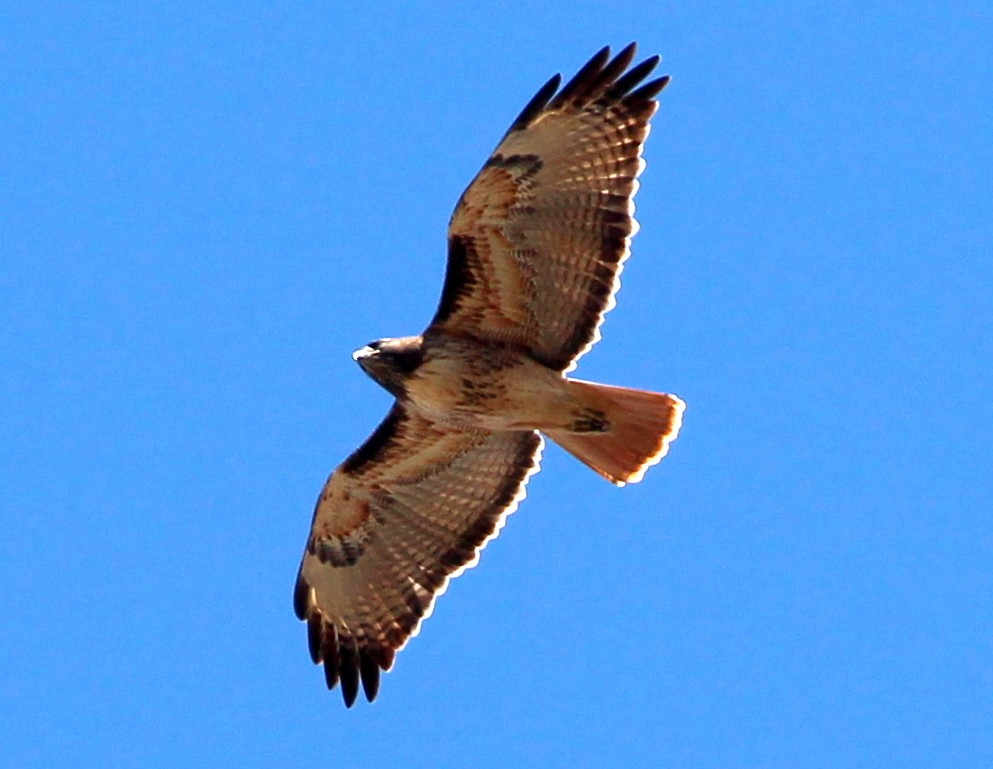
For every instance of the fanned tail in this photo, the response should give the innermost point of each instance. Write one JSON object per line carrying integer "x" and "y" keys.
{"x": 635, "y": 433}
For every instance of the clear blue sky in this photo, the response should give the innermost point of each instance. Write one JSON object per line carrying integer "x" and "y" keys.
{"x": 205, "y": 207}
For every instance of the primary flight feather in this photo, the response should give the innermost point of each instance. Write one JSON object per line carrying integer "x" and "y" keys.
{"x": 535, "y": 247}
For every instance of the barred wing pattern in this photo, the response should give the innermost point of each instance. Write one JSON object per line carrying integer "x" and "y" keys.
{"x": 538, "y": 239}
{"x": 536, "y": 245}
{"x": 409, "y": 510}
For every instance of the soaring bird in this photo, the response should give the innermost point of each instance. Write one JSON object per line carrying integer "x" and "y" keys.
{"x": 535, "y": 247}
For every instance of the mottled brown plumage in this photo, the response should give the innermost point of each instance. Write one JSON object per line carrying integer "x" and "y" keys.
{"x": 536, "y": 244}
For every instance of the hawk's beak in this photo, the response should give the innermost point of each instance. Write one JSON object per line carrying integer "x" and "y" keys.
{"x": 362, "y": 352}
{"x": 366, "y": 356}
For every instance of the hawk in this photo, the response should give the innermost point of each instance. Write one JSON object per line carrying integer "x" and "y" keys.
{"x": 535, "y": 247}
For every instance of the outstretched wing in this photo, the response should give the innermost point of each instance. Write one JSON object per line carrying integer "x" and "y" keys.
{"x": 408, "y": 511}
{"x": 536, "y": 243}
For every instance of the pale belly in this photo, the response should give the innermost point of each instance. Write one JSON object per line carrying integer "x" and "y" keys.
{"x": 481, "y": 386}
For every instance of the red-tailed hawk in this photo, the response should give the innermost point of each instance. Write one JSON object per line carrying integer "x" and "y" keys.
{"x": 535, "y": 247}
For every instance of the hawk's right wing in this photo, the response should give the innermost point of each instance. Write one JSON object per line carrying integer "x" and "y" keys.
{"x": 405, "y": 513}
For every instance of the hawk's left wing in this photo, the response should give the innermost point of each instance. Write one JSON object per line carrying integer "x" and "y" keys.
{"x": 405, "y": 513}
{"x": 537, "y": 241}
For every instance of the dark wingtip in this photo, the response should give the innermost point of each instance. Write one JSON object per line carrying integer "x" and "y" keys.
{"x": 632, "y": 77}
{"x": 584, "y": 80}
{"x": 619, "y": 63}
{"x": 348, "y": 670}
{"x": 344, "y": 662}
{"x": 650, "y": 89}
{"x": 315, "y": 638}
{"x": 629, "y": 50}
{"x": 301, "y": 598}
{"x": 369, "y": 671}
{"x": 330, "y": 653}
{"x": 349, "y": 696}
{"x": 330, "y": 675}
{"x": 538, "y": 102}
{"x": 601, "y": 77}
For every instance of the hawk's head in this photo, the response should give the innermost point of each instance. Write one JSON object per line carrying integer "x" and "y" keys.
{"x": 391, "y": 361}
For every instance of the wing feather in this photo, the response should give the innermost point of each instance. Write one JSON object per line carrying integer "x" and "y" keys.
{"x": 538, "y": 239}
{"x": 409, "y": 510}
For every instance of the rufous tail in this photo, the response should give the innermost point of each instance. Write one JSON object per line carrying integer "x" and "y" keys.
{"x": 637, "y": 428}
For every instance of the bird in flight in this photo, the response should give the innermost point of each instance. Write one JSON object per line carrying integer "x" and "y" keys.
{"x": 535, "y": 248}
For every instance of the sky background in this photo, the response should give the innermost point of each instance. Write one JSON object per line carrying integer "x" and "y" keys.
{"x": 205, "y": 207}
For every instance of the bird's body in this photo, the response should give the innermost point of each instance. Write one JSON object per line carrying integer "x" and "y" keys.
{"x": 536, "y": 245}
{"x": 470, "y": 384}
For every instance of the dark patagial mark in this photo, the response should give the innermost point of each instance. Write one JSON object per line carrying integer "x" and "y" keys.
{"x": 460, "y": 275}
{"x": 463, "y": 268}
{"x": 374, "y": 446}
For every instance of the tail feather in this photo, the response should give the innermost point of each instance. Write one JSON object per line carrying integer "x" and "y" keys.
{"x": 640, "y": 425}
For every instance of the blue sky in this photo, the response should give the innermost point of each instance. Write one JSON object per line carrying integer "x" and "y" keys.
{"x": 207, "y": 206}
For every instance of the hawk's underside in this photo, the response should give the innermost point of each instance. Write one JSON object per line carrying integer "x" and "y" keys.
{"x": 535, "y": 247}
